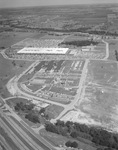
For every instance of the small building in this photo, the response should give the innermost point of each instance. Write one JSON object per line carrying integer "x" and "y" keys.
{"x": 88, "y": 48}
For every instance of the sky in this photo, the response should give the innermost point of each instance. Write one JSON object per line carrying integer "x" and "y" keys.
{"x": 21, "y": 3}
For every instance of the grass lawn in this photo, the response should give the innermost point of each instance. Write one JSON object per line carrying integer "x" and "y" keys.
{"x": 13, "y": 101}
{"x": 53, "y": 111}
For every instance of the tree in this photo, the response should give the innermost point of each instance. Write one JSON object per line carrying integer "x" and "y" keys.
{"x": 74, "y": 144}
{"x": 74, "y": 134}
{"x": 68, "y": 143}
{"x": 108, "y": 148}
{"x": 100, "y": 148}
{"x": 13, "y": 62}
{"x": 60, "y": 123}
{"x": 51, "y": 128}
{"x": 32, "y": 117}
{"x": 42, "y": 110}
{"x": 71, "y": 144}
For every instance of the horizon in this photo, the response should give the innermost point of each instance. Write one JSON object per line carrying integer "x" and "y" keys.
{"x": 18, "y": 7}
{"x": 36, "y": 3}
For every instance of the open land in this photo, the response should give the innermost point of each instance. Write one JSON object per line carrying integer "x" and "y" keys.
{"x": 59, "y": 66}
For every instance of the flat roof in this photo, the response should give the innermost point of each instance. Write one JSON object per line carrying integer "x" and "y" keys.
{"x": 33, "y": 50}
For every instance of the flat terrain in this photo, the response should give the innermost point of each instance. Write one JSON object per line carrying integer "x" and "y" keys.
{"x": 8, "y": 69}
{"x": 79, "y": 85}
{"x": 99, "y": 104}
{"x": 13, "y": 101}
{"x": 9, "y": 38}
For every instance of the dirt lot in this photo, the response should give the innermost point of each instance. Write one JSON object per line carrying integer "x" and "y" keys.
{"x": 103, "y": 74}
{"x": 101, "y": 94}
{"x": 99, "y": 104}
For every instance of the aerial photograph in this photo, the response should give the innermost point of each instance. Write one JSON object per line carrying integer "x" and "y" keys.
{"x": 58, "y": 74}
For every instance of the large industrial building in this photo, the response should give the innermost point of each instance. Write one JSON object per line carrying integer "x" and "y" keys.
{"x": 33, "y": 50}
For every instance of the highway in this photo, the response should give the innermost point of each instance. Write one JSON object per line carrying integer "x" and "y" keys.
{"x": 18, "y": 141}
{"x": 21, "y": 135}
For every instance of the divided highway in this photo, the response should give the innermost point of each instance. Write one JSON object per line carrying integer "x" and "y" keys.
{"x": 22, "y": 137}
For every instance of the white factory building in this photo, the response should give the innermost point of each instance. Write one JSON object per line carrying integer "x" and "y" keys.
{"x": 39, "y": 50}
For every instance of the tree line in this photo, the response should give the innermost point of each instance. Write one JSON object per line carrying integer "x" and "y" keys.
{"x": 98, "y": 136}
{"x": 81, "y": 29}
{"x": 80, "y": 43}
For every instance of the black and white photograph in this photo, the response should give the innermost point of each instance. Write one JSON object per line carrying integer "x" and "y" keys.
{"x": 58, "y": 74}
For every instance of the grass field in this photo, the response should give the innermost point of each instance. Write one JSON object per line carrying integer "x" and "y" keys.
{"x": 103, "y": 74}
{"x": 53, "y": 111}
{"x": 8, "y": 70}
{"x": 13, "y": 101}
{"x": 9, "y": 38}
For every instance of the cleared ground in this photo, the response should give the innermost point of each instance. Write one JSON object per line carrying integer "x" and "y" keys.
{"x": 99, "y": 101}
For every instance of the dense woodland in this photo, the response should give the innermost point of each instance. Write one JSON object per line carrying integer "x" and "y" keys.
{"x": 80, "y": 43}
{"x": 98, "y": 136}
{"x": 30, "y": 113}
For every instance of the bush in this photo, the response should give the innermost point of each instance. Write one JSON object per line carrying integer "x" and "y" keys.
{"x": 71, "y": 144}
{"x": 68, "y": 143}
{"x": 80, "y": 43}
{"x": 74, "y": 134}
{"x": 74, "y": 144}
